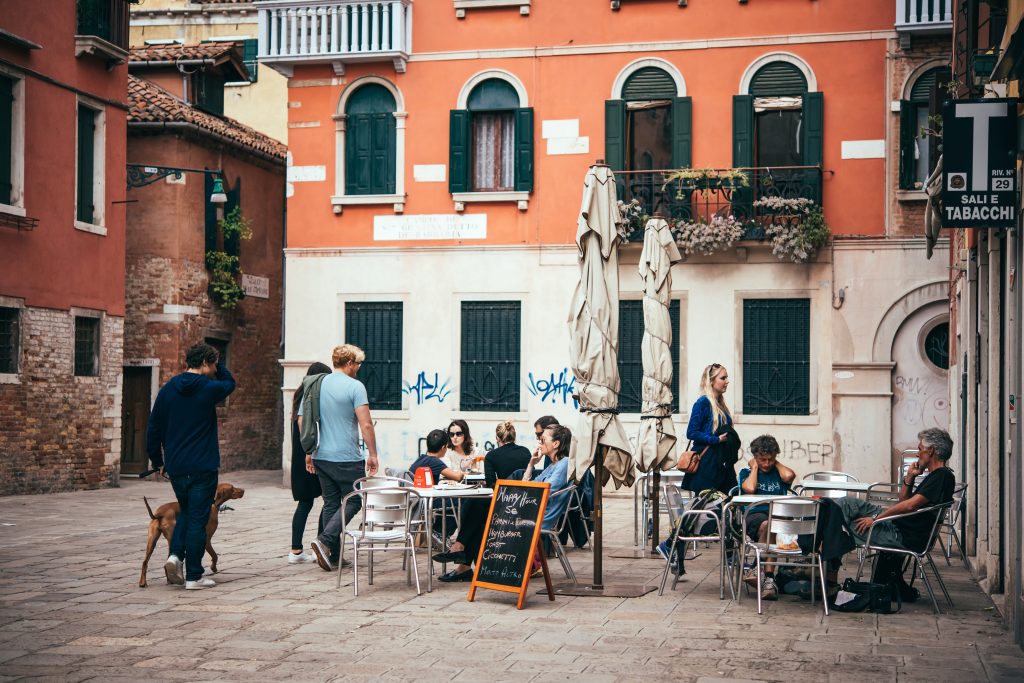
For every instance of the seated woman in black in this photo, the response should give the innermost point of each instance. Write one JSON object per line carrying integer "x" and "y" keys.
{"x": 500, "y": 463}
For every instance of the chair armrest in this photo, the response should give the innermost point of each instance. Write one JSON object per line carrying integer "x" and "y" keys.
{"x": 930, "y": 508}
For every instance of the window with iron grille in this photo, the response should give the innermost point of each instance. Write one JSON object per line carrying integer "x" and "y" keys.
{"x": 87, "y": 346}
{"x": 776, "y": 356}
{"x": 631, "y": 373}
{"x": 9, "y": 340}
{"x": 376, "y": 328}
{"x": 490, "y": 355}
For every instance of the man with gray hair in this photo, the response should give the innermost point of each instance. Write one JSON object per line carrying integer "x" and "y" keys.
{"x": 934, "y": 449}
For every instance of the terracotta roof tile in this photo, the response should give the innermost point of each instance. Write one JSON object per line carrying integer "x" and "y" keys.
{"x": 152, "y": 104}
{"x": 160, "y": 53}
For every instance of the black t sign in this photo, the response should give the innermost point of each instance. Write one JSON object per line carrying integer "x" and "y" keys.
{"x": 979, "y": 164}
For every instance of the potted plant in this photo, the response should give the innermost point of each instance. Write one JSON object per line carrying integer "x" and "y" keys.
{"x": 717, "y": 233}
{"x": 224, "y": 288}
{"x": 795, "y": 227}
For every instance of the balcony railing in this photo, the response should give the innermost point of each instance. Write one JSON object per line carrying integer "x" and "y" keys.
{"x": 702, "y": 198}
{"x": 335, "y": 32}
{"x": 106, "y": 19}
{"x": 924, "y": 16}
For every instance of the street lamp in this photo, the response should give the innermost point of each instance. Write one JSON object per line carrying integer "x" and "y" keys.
{"x": 218, "y": 198}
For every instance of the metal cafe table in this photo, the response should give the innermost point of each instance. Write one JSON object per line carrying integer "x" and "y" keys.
{"x": 442, "y": 492}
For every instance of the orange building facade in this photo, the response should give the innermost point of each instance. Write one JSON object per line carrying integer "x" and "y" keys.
{"x": 62, "y": 235}
{"x": 437, "y": 152}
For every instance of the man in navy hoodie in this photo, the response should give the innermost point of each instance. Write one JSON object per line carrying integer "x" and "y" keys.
{"x": 182, "y": 443}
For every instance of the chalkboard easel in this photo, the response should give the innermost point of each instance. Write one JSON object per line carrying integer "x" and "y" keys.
{"x": 510, "y": 539}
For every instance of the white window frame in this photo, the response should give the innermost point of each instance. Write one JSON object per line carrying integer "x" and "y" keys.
{"x": 99, "y": 160}
{"x": 19, "y": 304}
{"x": 98, "y": 315}
{"x": 340, "y": 200}
{"x": 17, "y": 205}
{"x": 462, "y": 5}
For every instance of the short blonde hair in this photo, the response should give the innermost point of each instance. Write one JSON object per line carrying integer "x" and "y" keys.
{"x": 506, "y": 432}
{"x": 345, "y": 354}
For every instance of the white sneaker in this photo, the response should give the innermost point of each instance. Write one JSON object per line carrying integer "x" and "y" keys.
{"x": 199, "y": 584}
{"x": 173, "y": 570}
{"x": 299, "y": 558}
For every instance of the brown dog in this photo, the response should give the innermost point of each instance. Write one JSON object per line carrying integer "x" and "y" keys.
{"x": 163, "y": 521}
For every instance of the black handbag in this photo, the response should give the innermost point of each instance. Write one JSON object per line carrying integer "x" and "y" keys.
{"x": 871, "y": 597}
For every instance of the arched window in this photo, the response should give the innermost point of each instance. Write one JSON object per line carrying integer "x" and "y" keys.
{"x": 370, "y": 141}
{"x": 648, "y": 126}
{"x": 492, "y": 141}
{"x": 918, "y": 149}
{"x": 778, "y": 123}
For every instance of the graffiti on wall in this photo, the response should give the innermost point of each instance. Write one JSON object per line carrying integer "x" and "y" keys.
{"x": 810, "y": 452}
{"x": 920, "y": 402}
{"x": 427, "y": 388}
{"x": 553, "y": 388}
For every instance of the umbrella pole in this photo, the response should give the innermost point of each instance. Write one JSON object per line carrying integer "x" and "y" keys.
{"x": 598, "y": 522}
{"x": 655, "y": 511}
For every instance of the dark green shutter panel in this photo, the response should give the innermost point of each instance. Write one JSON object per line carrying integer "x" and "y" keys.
{"x": 382, "y": 168}
{"x": 376, "y": 327}
{"x": 250, "y": 50}
{"x": 682, "y": 132}
{"x": 491, "y": 355}
{"x": 210, "y": 222}
{"x": 812, "y": 130}
{"x": 742, "y": 151}
{"x": 524, "y": 150}
{"x": 6, "y": 138}
{"x": 908, "y": 121}
{"x": 615, "y": 134}
{"x": 630, "y": 356}
{"x": 777, "y": 79}
{"x": 86, "y": 136}
{"x": 358, "y": 134}
{"x": 233, "y": 245}
{"x": 776, "y": 356}
{"x": 458, "y": 151}
{"x": 649, "y": 83}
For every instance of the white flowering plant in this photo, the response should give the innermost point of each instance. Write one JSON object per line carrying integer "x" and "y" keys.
{"x": 633, "y": 219}
{"x": 795, "y": 227}
{"x": 719, "y": 232}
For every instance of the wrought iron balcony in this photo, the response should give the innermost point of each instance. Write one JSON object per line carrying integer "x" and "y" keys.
{"x": 335, "y": 32}
{"x": 718, "y": 192}
{"x": 102, "y": 29}
{"x": 924, "y": 16}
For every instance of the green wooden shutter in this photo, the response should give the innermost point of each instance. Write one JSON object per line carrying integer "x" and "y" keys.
{"x": 250, "y": 51}
{"x": 458, "y": 151}
{"x": 524, "y": 150}
{"x": 358, "y": 133}
{"x": 376, "y": 327}
{"x": 742, "y": 151}
{"x": 907, "y": 144}
{"x": 233, "y": 245}
{"x": 682, "y": 132}
{"x": 6, "y": 138}
{"x": 86, "y": 159}
{"x": 812, "y": 129}
{"x": 615, "y": 134}
{"x": 382, "y": 153}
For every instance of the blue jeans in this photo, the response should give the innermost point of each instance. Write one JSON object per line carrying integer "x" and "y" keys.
{"x": 195, "y": 494}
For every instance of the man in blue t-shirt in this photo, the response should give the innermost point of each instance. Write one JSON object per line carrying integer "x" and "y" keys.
{"x": 338, "y": 461}
{"x": 764, "y": 476}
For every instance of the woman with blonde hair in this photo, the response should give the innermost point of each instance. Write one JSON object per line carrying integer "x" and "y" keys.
{"x": 507, "y": 458}
{"x": 708, "y": 429}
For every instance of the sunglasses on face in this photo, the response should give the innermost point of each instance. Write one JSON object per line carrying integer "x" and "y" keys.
{"x": 454, "y": 434}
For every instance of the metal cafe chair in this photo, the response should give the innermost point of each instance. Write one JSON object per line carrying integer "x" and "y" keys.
{"x": 950, "y": 525}
{"x": 679, "y": 535}
{"x": 552, "y": 534}
{"x": 387, "y": 516}
{"x": 794, "y": 517}
{"x": 830, "y": 475}
{"x": 921, "y": 558}
{"x": 675, "y": 505}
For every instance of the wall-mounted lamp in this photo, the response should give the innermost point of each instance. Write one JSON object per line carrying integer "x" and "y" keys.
{"x": 218, "y": 196}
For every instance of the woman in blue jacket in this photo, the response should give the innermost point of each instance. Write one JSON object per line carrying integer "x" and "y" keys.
{"x": 709, "y": 420}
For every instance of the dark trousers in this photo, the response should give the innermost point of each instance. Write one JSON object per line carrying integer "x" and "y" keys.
{"x": 471, "y": 525}
{"x": 195, "y": 494}
{"x": 336, "y": 480}
{"x": 302, "y": 510}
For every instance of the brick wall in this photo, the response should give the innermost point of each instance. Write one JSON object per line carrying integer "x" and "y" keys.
{"x": 907, "y": 209}
{"x": 60, "y": 432}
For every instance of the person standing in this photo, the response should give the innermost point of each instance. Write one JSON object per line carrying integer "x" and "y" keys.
{"x": 338, "y": 460}
{"x": 709, "y": 428}
{"x": 181, "y": 440}
{"x": 305, "y": 483}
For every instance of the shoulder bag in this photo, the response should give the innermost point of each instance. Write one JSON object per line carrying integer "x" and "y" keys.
{"x": 689, "y": 461}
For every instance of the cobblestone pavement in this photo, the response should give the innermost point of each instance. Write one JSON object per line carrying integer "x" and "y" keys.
{"x": 71, "y": 609}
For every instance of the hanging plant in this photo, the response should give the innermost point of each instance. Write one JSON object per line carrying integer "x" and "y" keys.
{"x": 706, "y": 179}
{"x": 716, "y": 234}
{"x": 633, "y": 219}
{"x": 224, "y": 267}
{"x": 796, "y": 228}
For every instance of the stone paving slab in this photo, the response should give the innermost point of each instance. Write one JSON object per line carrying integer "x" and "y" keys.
{"x": 71, "y": 610}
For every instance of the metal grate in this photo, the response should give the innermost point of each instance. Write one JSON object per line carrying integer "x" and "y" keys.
{"x": 649, "y": 83}
{"x": 87, "y": 346}
{"x": 490, "y": 355}
{"x": 9, "y": 340}
{"x": 631, "y": 372}
{"x": 376, "y": 328}
{"x": 777, "y": 79}
{"x": 776, "y": 356}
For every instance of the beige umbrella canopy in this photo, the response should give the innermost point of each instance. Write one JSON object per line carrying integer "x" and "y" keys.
{"x": 657, "y": 438}
{"x": 594, "y": 332}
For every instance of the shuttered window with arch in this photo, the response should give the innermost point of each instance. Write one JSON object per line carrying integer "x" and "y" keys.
{"x": 370, "y": 141}
{"x": 919, "y": 150}
{"x": 649, "y": 102}
{"x": 491, "y": 143}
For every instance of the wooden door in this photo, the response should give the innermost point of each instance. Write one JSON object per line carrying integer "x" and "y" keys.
{"x": 135, "y": 402}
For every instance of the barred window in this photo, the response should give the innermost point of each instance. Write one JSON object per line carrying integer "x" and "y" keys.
{"x": 87, "y": 346}
{"x": 776, "y": 356}
{"x": 9, "y": 340}
{"x": 376, "y": 328}
{"x": 631, "y": 372}
{"x": 490, "y": 355}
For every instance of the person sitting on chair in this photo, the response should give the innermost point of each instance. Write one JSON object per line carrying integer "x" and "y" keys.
{"x": 763, "y": 476}
{"x": 437, "y": 445}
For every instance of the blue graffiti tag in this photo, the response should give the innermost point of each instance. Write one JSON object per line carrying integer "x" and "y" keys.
{"x": 425, "y": 390}
{"x": 554, "y": 388}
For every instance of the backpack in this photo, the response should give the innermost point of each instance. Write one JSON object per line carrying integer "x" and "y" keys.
{"x": 309, "y": 432}
{"x": 710, "y": 501}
